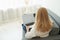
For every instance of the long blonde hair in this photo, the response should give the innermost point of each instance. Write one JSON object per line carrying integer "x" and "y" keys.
{"x": 43, "y": 22}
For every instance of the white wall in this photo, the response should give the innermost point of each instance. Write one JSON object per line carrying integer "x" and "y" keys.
{"x": 53, "y": 5}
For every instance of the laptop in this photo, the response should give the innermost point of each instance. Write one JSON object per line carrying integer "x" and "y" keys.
{"x": 28, "y": 19}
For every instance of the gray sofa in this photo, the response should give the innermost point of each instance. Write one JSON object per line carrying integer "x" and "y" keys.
{"x": 54, "y": 34}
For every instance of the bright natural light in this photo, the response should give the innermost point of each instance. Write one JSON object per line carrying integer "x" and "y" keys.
{"x": 5, "y": 4}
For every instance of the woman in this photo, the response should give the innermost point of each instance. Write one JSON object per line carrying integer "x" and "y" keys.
{"x": 42, "y": 26}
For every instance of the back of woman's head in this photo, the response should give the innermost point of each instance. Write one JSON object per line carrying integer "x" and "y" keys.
{"x": 43, "y": 23}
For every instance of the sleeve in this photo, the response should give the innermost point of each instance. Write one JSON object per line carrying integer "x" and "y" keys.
{"x": 30, "y": 34}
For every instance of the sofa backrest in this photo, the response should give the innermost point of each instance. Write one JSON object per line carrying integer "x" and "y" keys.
{"x": 54, "y": 16}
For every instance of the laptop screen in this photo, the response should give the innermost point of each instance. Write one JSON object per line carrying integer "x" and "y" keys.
{"x": 28, "y": 19}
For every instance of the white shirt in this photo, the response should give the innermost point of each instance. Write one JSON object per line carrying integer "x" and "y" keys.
{"x": 34, "y": 33}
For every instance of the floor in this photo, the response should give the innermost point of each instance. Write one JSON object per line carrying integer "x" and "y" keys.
{"x": 11, "y": 31}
